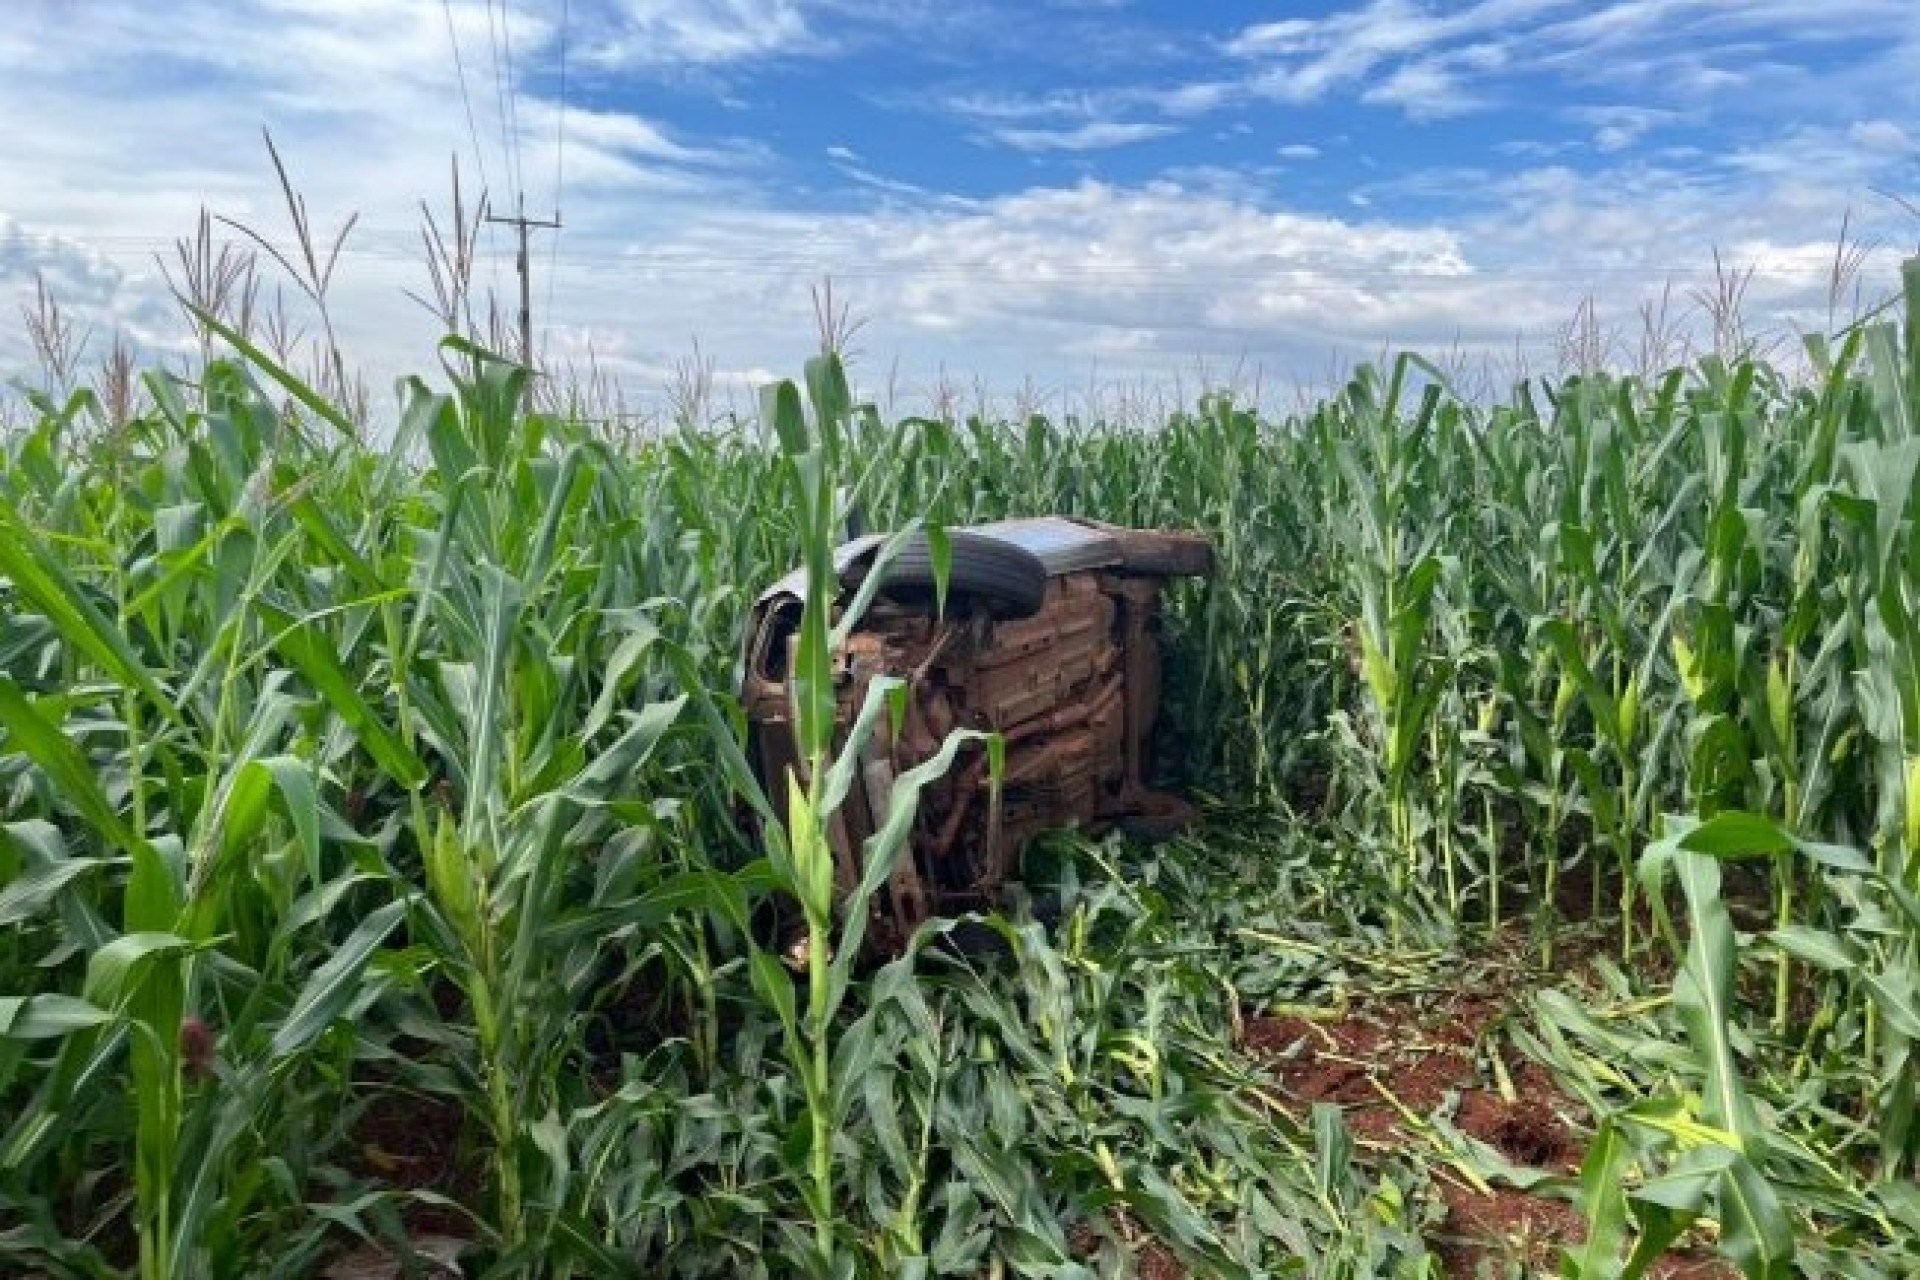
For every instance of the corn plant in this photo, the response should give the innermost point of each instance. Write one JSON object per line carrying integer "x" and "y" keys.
{"x": 334, "y": 770}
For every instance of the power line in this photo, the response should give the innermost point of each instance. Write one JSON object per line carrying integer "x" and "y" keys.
{"x": 559, "y": 158}
{"x": 460, "y": 69}
{"x": 509, "y": 96}
{"x": 513, "y": 97}
{"x": 473, "y": 130}
{"x": 508, "y": 142}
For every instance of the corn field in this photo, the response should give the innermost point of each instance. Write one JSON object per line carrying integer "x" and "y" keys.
{"x": 377, "y": 862}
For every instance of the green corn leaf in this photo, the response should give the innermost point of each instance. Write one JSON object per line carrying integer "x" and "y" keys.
{"x": 1664, "y": 1206}
{"x": 1896, "y": 991}
{"x": 620, "y": 668}
{"x": 722, "y": 737}
{"x": 876, "y": 574}
{"x": 36, "y": 575}
{"x": 296, "y": 640}
{"x": 808, "y": 860}
{"x": 116, "y": 971}
{"x": 453, "y": 878}
{"x": 310, "y": 399}
{"x": 153, "y": 893}
{"x": 250, "y": 794}
{"x": 335, "y": 984}
{"x": 781, "y": 408}
{"x": 847, "y": 765}
{"x": 1817, "y": 947}
{"x": 47, "y": 1017}
{"x": 876, "y": 860}
{"x": 1703, "y": 994}
{"x": 1735, "y": 835}
{"x": 30, "y": 894}
{"x": 613, "y": 772}
{"x": 496, "y": 630}
{"x": 774, "y": 986}
{"x": 1755, "y": 1230}
{"x": 320, "y": 527}
{"x": 1332, "y": 1150}
{"x": 713, "y": 893}
{"x": 882, "y": 1111}
{"x": 1835, "y": 857}
{"x": 1603, "y": 1199}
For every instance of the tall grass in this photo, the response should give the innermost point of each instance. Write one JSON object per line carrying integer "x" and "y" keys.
{"x": 333, "y": 771}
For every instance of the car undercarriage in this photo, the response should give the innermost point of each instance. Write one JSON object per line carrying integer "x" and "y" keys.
{"x": 1047, "y": 639}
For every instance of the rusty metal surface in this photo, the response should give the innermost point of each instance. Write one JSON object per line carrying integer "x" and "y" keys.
{"x": 1073, "y": 690}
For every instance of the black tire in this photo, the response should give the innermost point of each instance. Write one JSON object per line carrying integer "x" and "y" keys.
{"x": 1010, "y": 580}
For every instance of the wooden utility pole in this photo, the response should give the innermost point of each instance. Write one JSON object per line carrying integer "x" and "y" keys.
{"x": 523, "y": 224}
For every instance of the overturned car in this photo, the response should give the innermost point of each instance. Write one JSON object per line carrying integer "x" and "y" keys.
{"x": 1047, "y": 638}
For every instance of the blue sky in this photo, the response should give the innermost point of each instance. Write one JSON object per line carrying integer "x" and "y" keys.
{"x": 1016, "y": 198}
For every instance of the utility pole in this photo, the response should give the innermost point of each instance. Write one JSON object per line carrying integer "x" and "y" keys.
{"x": 523, "y": 224}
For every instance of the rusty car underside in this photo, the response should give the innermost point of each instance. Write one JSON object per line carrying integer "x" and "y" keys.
{"x": 1068, "y": 676}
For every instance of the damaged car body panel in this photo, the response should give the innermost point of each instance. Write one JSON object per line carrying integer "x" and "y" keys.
{"x": 1047, "y": 639}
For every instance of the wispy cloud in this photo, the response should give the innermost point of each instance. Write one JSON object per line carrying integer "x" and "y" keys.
{"x": 1617, "y": 127}
{"x": 854, "y": 166}
{"x": 1017, "y": 107}
{"x": 1882, "y": 136}
{"x": 1095, "y": 135}
{"x": 1426, "y": 90}
{"x": 1431, "y": 61}
{"x": 1305, "y": 59}
{"x": 1062, "y": 121}
{"x": 699, "y": 32}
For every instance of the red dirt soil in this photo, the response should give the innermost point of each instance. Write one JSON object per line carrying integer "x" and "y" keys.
{"x": 1398, "y": 1049}
{"x": 1151, "y": 1259}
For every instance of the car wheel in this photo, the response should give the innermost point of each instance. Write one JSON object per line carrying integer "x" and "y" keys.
{"x": 1010, "y": 580}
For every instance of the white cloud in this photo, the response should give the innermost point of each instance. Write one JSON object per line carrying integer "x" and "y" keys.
{"x": 617, "y": 133}
{"x": 672, "y": 235}
{"x": 1142, "y": 278}
{"x": 1425, "y": 90}
{"x": 99, "y": 298}
{"x": 1620, "y": 24}
{"x": 1299, "y": 151}
{"x": 367, "y": 126}
{"x": 1093, "y": 136}
{"x": 1616, "y": 128}
{"x": 1881, "y": 135}
{"x": 1193, "y": 99}
{"x": 1305, "y": 59}
{"x": 703, "y": 32}
{"x": 1069, "y": 120}
{"x": 1433, "y": 60}
{"x": 849, "y": 162}
{"x": 1290, "y": 35}
{"x": 1013, "y": 107}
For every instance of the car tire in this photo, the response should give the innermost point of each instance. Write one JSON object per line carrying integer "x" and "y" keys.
{"x": 1011, "y": 581}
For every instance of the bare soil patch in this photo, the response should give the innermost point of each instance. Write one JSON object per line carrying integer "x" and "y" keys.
{"x": 1392, "y": 1063}
{"x": 1151, "y": 1259}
